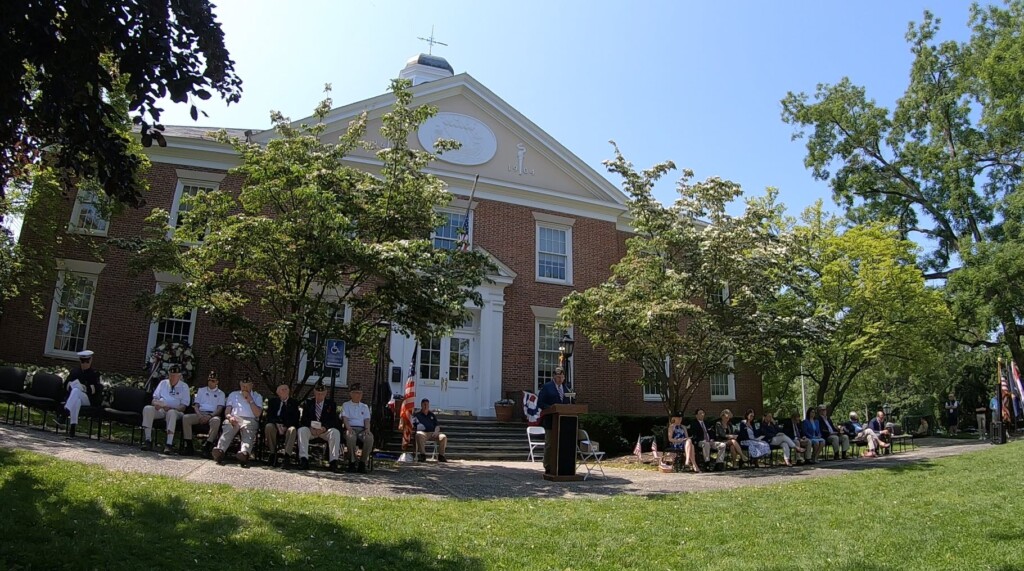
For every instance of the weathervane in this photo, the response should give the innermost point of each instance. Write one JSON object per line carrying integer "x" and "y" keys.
{"x": 432, "y": 41}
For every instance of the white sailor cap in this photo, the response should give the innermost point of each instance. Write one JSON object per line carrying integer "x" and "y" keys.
{"x": 85, "y": 354}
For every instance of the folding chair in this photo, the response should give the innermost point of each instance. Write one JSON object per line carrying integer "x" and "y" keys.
{"x": 587, "y": 455}
{"x": 531, "y": 432}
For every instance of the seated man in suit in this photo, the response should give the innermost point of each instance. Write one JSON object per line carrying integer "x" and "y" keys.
{"x": 319, "y": 420}
{"x": 207, "y": 410}
{"x": 427, "y": 428}
{"x": 282, "y": 420}
{"x": 356, "y": 416}
{"x": 552, "y": 393}
{"x": 792, "y": 428}
{"x": 834, "y": 435}
{"x": 878, "y": 425}
{"x": 861, "y": 432}
{"x": 704, "y": 440}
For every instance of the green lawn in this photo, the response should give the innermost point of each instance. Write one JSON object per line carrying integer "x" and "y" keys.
{"x": 956, "y": 513}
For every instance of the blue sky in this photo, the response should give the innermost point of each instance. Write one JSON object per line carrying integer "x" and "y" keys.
{"x": 698, "y": 83}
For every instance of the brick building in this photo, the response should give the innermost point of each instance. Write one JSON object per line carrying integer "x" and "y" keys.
{"x": 550, "y": 223}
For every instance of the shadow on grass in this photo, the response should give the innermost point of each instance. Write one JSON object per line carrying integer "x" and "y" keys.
{"x": 52, "y": 521}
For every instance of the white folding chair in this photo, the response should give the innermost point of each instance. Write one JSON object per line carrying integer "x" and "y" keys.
{"x": 531, "y": 432}
{"x": 587, "y": 454}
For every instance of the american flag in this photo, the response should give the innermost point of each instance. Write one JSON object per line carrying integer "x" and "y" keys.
{"x": 463, "y": 232}
{"x": 409, "y": 403}
{"x": 637, "y": 450}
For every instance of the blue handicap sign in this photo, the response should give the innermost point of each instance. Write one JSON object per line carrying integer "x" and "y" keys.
{"x": 335, "y": 356}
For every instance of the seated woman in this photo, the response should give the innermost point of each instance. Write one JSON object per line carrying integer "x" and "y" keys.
{"x": 813, "y": 433}
{"x": 679, "y": 440}
{"x": 749, "y": 439}
{"x": 862, "y": 432}
{"x": 727, "y": 433}
{"x": 922, "y": 429}
{"x": 775, "y": 437}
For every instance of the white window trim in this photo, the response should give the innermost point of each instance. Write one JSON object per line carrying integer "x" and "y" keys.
{"x": 179, "y": 189}
{"x": 732, "y": 386}
{"x": 342, "y": 378}
{"x": 540, "y": 223}
{"x": 537, "y": 322}
{"x": 155, "y": 324}
{"x": 451, "y": 210}
{"x": 77, "y": 268}
{"x": 656, "y": 397}
{"x": 76, "y": 211}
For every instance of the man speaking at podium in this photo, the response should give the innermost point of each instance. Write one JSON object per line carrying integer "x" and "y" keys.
{"x": 553, "y": 392}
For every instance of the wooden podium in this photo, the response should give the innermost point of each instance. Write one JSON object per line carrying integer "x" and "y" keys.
{"x": 564, "y": 422}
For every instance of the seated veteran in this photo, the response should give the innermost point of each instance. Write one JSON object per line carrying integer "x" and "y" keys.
{"x": 427, "y": 429}
{"x": 208, "y": 409}
{"x": 241, "y": 415}
{"x": 356, "y": 417}
{"x": 169, "y": 401}
{"x": 282, "y": 420}
{"x": 319, "y": 420}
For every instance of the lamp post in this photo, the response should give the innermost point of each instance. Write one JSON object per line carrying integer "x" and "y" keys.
{"x": 565, "y": 348}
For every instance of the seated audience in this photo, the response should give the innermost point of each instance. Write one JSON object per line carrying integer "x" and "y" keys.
{"x": 428, "y": 429}
{"x": 356, "y": 417}
{"x": 282, "y": 420}
{"x": 751, "y": 440}
{"x": 794, "y": 430}
{"x": 319, "y": 420}
{"x": 834, "y": 435}
{"x": 725, "y": 432}
{"x": 84, "y": 388}
{"x": 813, "y": 433}
{"x": 169, "y": 401}
{"x": 774, "y": 436}
{"x": 679, "y": 441}
{"x": 861, "y": 432}
{"x": 207, "y": 410}
{"x": 241, "y": 415}
{"x": 880, "y": 427}
{"x": 704, "y": 438}
{"x": 922, "y": 428}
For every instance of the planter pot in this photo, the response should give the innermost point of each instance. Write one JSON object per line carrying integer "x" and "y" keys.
{"x": 503, "y": 412}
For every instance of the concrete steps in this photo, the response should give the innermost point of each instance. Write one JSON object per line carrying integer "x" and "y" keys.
{"x": 473, "y": 439}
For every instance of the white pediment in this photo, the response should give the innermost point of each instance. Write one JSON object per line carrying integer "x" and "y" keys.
{"x": 506, "y": 150}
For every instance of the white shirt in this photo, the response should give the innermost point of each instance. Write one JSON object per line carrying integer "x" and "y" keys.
{"x": 236, "y": 402}
{"x": 174, "y": 397}
{"x": 358, "y": 414}
{"x": 208, "y": 401}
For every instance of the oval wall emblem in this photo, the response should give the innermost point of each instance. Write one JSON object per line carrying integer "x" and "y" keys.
{"x": 478, "y": 142}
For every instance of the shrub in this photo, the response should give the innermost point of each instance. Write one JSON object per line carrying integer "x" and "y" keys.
{"x": 607, "y": 430}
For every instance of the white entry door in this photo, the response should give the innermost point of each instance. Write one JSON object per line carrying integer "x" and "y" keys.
{"x": 447, "y": 373}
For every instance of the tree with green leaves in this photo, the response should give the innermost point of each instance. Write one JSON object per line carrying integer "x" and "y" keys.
{"x": 59, "y": 59}
{"x": 945, "y": 164}
{"x": 859, "y": 288}
{"x": 313, "y": 248}
{"x": 689, "y": 298}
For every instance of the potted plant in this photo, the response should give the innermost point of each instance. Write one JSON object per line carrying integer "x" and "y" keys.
{"x": 503, "y": 410}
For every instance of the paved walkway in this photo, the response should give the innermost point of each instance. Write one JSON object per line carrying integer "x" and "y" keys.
{"x": 456, "y": 479}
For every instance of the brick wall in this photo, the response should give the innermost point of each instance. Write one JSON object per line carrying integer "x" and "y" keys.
{"x": 119, "y": 332}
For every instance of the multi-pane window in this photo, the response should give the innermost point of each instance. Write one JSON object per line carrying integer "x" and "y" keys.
{"x": 430, "y": 359}
{"x": 72, "y": 310}
{"x": 458, "y": 359}
{"x": 182, "y": 205}
{"x": 549, "y": 339}
{"x": 176, "y": 328}
{"x": 554, "y": 245}
{"x": 87, "y": 217}
{"x": 454, "y": 229}
{"x": 723, "y": 386}
{"x": 652, "y": 387}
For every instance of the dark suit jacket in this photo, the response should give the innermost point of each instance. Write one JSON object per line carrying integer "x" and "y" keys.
{"x": 877, "y": 426}
{"x": 825, "y": 432}
{"x": 792, "y": 429}
{"x": 699, "y": 434}
{"x": 548, "y": 396}
{"x": 90, "y": 379}
{"x": 288, "y": 417}
{"x": 328, "y": 417}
